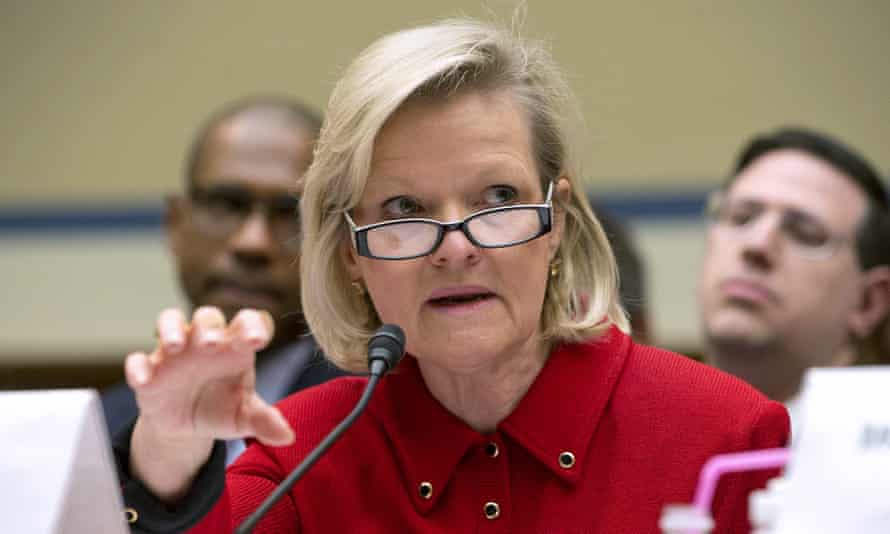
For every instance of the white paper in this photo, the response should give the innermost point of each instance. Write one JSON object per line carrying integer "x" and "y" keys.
{"x": 839, "y": 473}
{"x": 56, "y": 470}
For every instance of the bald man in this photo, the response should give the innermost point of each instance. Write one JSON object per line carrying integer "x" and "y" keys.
{"x": 234, "y": 236}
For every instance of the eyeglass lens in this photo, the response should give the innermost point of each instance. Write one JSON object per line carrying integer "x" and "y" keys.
{"x": 223, "y": 208}
{"x": 803, "y": 230}
{"x": 490, "y": 229}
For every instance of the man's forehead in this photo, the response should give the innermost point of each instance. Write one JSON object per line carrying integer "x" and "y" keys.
{"x": 797, "y": 180}
{"x": 268, "y": 160}
{"x": 261, "y": 129}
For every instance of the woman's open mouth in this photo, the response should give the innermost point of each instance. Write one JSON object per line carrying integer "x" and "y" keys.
{"x": 460, "y": 300}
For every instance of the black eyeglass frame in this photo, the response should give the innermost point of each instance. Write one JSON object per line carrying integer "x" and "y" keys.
{"x": 281, "y": 213}
{"x": 204, "y": 197}
{"x": 544, "y": 211}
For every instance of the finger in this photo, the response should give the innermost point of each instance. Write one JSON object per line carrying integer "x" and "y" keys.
{"x": 251, "y": 330}
{"x": 267, "y": 424}
{"x": 171, "y": 330}
{"x": 207, "y": 327}
{"x": 137, "y": 370}
{"x": 270, "y": 322}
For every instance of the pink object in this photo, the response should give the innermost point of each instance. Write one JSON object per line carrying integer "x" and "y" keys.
{"x": 721, "y": 464}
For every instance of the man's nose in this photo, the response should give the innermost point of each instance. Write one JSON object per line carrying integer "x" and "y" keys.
{"x": 254, "y": 235}
{"x": 761, "y": 240}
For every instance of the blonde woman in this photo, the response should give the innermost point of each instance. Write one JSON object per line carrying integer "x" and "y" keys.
{"x": 444, "y": 197}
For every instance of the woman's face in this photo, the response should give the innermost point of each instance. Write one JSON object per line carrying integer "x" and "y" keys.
{"x": 461, "y": 307}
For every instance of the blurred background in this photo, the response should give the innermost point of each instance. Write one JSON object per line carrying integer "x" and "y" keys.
{"x": 100, "y": 99}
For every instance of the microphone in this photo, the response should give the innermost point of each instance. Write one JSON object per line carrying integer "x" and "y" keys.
{"x": 385, "y": 348}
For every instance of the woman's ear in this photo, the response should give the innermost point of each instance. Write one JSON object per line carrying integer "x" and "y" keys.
{"x": 562, "y": 196}
{"x": 350, "y": 260}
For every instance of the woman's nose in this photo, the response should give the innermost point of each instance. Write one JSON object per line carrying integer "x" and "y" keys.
{"x": 455, "y": 248}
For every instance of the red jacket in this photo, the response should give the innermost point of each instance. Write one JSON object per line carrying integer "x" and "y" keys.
{"x": 609, "y": 433}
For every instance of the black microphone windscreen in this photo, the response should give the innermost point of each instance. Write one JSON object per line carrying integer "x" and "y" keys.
{"x": 388, "y": 344}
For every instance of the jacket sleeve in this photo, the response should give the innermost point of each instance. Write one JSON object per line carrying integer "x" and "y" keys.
{"x": 148, "y": 515}
{"x": 249, "y": 481}
{"x": 769, "y": 428}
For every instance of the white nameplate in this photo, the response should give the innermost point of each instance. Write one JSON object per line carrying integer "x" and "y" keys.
{"x": 839, "y": 472}
{"x": 56, "y": 471}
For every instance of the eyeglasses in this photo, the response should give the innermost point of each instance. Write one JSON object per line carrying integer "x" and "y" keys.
{"x": 222, "y": 209}
{"x": 805, "y": 234}
{"x": 405, "y": 239}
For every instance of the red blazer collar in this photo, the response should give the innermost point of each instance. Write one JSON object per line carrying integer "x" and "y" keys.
{"x": 559, "y": 414}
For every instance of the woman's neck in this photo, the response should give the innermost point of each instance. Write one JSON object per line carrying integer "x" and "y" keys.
{"x": 484, "y": 397}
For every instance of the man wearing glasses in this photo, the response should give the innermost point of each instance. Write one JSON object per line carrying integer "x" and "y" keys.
{"x": 797, "y": 266}
{"x": 235, "y": 237}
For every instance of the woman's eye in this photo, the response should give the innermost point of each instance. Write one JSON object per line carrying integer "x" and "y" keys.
{"x": 401, "y": 206}
{"x": 499, "y": 194}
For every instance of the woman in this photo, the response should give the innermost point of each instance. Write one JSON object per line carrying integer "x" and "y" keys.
{"x": 523, "y": 406}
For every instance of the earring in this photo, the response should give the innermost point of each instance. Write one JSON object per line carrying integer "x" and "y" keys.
{"x": 358, "y": 288}
{"x": 554, "y": 267}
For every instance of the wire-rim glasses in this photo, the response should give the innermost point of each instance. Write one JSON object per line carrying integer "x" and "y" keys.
{"x": 804, "y": 233}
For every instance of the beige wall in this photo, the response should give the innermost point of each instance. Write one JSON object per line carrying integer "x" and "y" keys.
{"x": 92, "y": 299}
{"x": 100, "y": 97}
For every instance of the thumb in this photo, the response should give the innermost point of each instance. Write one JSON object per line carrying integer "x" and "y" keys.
{"x": 266, "y": 423}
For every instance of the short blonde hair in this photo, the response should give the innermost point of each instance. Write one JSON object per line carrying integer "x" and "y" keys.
{"x": 438, "y": 61}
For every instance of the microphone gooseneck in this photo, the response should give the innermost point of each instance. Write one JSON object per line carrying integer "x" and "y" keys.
{"x": 385, "y": 348}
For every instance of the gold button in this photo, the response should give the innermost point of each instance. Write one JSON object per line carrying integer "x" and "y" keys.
{"x": 566, "y": 459}
{"x": 491, "y": 449}
{"x": 425, "y": 489}
{"x": 492, "y": 510}
{"x": 131, "y": 515}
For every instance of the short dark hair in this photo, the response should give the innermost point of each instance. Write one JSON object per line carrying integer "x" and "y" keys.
{"x": 872, "y": 240}
{"x": 292, "y": 111}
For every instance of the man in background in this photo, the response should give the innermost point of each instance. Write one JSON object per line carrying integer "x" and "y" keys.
{"x": 797, "y": 267}
{"x": 234, "y": 236}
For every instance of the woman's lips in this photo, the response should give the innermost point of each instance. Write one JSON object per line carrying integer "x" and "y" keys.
{"x": 459, "y": 291}
{"x": 460, "y": 300}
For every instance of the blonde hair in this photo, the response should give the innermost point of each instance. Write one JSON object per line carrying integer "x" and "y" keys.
{"x": 438, "y": 61}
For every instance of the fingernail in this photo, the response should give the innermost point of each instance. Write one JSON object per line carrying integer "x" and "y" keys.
{"x": 211, "y": 338}
{"x": 254, "y": 335}
{"x": 140, "y": 375}
{"x": 270, "y": 322}
{"x": 173, "y": 343}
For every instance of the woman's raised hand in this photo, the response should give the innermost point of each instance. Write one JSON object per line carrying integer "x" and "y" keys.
{"x": 196, "y": 386}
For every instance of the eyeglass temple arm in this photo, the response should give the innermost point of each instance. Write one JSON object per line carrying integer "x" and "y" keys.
{"x": 353, "y": 227}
